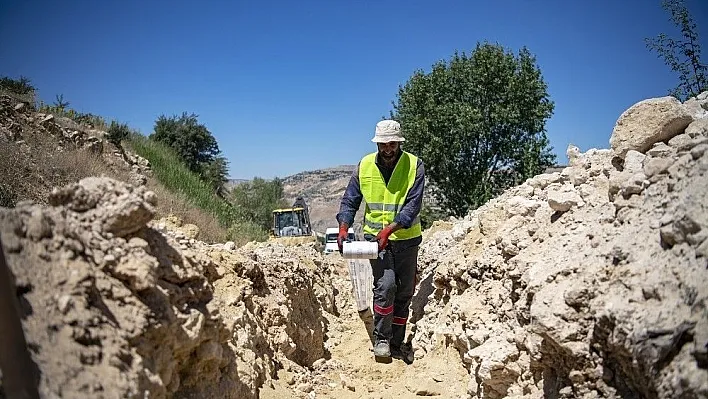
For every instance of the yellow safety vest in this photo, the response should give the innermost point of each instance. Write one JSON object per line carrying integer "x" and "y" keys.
{"x": 384, "y": 201}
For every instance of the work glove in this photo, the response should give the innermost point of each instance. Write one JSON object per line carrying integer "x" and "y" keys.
{"x": 343, "y": 234}
{"x": 382, "y": 237}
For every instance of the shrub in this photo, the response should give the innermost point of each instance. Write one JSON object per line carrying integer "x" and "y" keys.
{"x": 169, "y": 169}
{"x": 17, "y": 86}
{"x": 215, "y": 174}
{"x": 255, "y": 201}
{"x": 245, "y": 231}
{"x": 190, "y": 140}
{"x": 117, "y": 132}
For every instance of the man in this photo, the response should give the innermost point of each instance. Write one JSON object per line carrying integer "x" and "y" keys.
{"x": 391, "y": 181}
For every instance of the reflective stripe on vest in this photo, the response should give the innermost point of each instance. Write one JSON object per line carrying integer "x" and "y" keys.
{"x": 383, "y": 201}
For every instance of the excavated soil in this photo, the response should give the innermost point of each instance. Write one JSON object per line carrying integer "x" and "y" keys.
{"x": 591, "y": 282}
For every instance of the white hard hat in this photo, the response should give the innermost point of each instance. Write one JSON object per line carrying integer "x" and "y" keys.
{"x": 387, "y": 131}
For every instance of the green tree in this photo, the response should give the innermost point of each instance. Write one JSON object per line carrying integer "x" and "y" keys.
{"x": 215, "y": 173}
{"x": 478, "y": 123}
{"x": 191, "y": 140}
{"x": 683, "y": 55}
{"x": 255, "y": 200}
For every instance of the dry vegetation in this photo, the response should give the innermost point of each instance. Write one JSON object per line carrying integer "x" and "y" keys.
{"x": 34, "y": 160}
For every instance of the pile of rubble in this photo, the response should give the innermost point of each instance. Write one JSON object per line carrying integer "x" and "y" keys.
{"x": 115, "y": 305}
{"x": 591, "y": 282}
{"x": 17, "y": 119}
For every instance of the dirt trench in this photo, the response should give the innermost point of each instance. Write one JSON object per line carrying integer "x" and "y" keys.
{"x": 114, "y": 303}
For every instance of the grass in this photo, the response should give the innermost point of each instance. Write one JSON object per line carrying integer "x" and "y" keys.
{"x": 32, "y": 170}
{"x": 176, "y": 177}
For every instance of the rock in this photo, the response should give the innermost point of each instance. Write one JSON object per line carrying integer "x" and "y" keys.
{"x": 522, "y": 206}
{"x": 317, "y": 364}
{"x": 137, "y": 179}
{"x": 543, "y": 180}
{"x": 635, "y": 184}
{"x": 633, "y": 162}
{"x": 124, "y": 209}
{"x": 38, "y": 226}
{"x": 191, "y": 231}
{"x": 347, "y": 382}
{"x": 577, "y": 297}
{"x": 64, "y": 303}
{"x": 491, "y": 362}
{"x": 655, "y": 166}
{"x": 647, "y": 122}
{"x": 562, "y": 201}
{"x": 660, "y": 150}
{"x": 702, "y": 250}
{"x": 681, "y": 142}
{"x": 699, "y": 150}
{"x": 573, "y": 154}
{"x": 575, "y": 176}
{"x": 697, "y": 107}
{"x": 698, "y": 128}
{"x": 427, "y": 391}
{"x": 305, "y": 387}
{"x": 230, "y": 246}
{"x": 460, "y": 230}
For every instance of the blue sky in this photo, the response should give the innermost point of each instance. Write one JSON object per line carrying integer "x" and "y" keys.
{"x": 289, "y": 86}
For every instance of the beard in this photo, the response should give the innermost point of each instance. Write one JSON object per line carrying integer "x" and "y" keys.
{"x": 388, "y": 156}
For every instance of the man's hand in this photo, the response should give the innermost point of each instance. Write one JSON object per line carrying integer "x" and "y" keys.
{"x": 343, "y": 234}
{"x": 383, "y": 235}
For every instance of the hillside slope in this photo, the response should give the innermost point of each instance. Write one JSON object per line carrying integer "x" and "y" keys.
{"x": 322, "y": 189}
{"x": 41, "y": 151}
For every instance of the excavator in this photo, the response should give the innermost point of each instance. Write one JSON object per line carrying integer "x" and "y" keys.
{"x": 292, "y": 222}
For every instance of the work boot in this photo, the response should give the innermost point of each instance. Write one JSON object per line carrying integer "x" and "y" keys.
{"x": 381, "y": 349}
{"x": 402, "y": 353}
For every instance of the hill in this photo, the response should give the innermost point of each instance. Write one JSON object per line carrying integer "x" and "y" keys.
{"x": 322, "y": 189}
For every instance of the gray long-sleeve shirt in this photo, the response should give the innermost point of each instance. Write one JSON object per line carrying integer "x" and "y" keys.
{"x": 351, "y": 200}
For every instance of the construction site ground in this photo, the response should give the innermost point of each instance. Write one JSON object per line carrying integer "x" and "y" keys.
{"x": 364, "y": 376}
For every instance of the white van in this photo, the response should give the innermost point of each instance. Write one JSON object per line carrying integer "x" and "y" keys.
{"x": 331, "y": 239}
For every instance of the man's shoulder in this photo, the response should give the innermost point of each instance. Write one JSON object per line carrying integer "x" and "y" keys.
{"x": 419, "y": 160}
